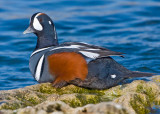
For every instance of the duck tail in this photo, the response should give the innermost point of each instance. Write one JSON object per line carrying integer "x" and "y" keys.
{"x": 138, "y": 74}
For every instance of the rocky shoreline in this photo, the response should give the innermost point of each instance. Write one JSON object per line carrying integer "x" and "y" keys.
{"x": 133, "y": 98}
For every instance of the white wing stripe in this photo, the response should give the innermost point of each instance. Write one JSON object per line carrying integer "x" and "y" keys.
{"x": 71, "y": 46}
{"x": 38, "y": 69}
{"x": 90, "y": 54}
{"x": 92, "y": 49}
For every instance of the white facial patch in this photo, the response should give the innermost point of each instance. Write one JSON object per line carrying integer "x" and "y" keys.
{"x": 49, "y": 22}
{"x": 113, "y": 76}
{"x": 38, "y": 69}
{"x": 36, "y": 23}
{"x": 90, "y": 54}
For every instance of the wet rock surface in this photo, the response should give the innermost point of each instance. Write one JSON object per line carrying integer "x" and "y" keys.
{"x": 136, "y": 97}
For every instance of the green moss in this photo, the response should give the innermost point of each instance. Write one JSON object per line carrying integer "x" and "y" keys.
{"x": 48, "y": 89}
{"x": 147, "y": 91}
{"x": 10, "y": 106}
{"x": 8, "y": 98}
{"x": 29, "y": 98}
{"x": 88, "y": 91}
{"x": 88, "y": 96}
{"x": 33, "y": 100}
{"x": 74, "y": 89}
{"x": 157, "y": 102}
{"x": 23, "y": 99}
{"x": 82, "y": 100}
{"x": 84, "y": 96}
{"x": 140, "y": 105}
{"x": 112, "y": 94}
{"x": 150, "y": 95}
{"x": 42, "y": 96}
{"x": 156, "y": 79}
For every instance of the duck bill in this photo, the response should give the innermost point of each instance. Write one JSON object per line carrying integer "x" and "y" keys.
{"x": 28, "y": 30}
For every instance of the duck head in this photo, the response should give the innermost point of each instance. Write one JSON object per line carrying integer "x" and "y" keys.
{"x": 43, "y": 27}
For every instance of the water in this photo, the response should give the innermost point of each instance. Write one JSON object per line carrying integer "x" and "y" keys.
{"x": 132, "y": 27}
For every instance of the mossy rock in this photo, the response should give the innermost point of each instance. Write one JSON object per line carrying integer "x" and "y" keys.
{"x": 33, "y": 95}
{"x": 62, "y": 108}
{"x": 48, "y": 89}
{"x": 135, "y": 103}
{"x": 156, "y": 79}
{"x": 21, "y": 98}
{"x": 138, "y": 96}
{"x": 112, "y": 93}
{"x": 82, "y": 99}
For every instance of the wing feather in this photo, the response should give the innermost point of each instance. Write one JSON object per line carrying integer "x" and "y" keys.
{"x": 87, "y": 50}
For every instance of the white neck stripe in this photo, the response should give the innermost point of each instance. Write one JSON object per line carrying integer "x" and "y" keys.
{"x": 39, "y": 68}
{"x": 38, "y": 51}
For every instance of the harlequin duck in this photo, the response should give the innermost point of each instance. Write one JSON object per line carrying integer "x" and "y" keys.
{"x": 75, "y": 63}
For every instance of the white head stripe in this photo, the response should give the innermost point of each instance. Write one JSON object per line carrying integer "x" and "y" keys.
{"x": 36, "y": 23}
{"x": 90, "y": 54}
{"x": 113, "y": 76}
{"x": 39, "y": 14}
{"x": 39, "y": 68}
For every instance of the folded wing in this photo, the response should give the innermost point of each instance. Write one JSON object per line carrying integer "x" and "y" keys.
{"x": 87, "y": 50}
{"x": 92, "y": 51}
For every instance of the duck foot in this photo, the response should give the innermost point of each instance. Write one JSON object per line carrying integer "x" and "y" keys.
{"x": 60, "y": 84}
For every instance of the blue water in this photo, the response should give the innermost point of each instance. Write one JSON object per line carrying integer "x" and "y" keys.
{"x": 129, "y": 26}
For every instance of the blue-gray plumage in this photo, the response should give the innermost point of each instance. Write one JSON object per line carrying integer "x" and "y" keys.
{"x": 75, "y": 63}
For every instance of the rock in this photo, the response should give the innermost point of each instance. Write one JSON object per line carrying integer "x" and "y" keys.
{"x": 136, "y": 97}
{"x": 59, "y": 107}
{"x": 101, "y": 108}
{"x": 134, "y": 103}
{"x": 47, "y": 107}
{"x": 156, "y": 79}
